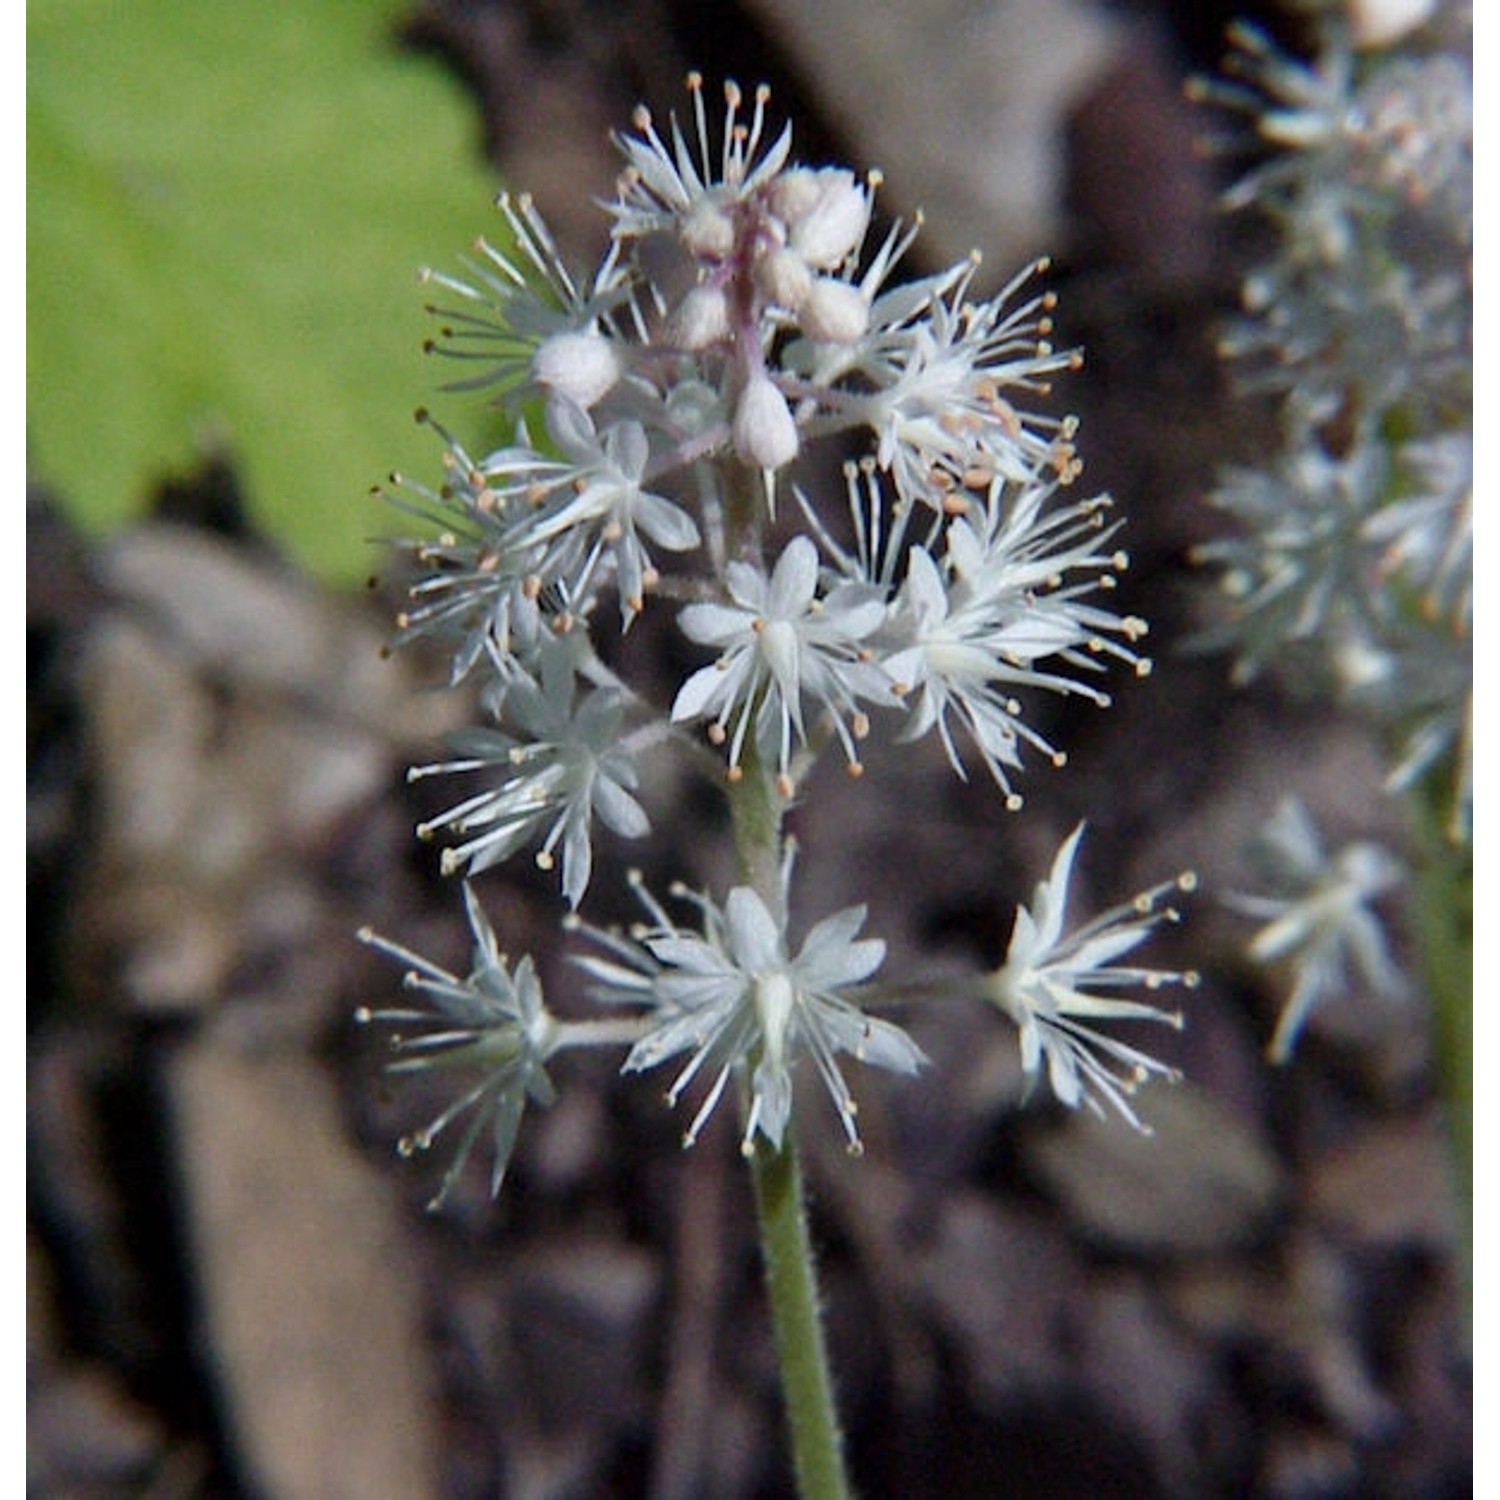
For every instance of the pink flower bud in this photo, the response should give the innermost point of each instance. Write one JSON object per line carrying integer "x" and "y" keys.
{"x": 831, "y": 228}
{"x": 834, "y": 312}
{"x": 581, "y": 366}
{"x": 700, "y": 320}
{"x": 765, "y": 433}
{"x": 783, "y": 278}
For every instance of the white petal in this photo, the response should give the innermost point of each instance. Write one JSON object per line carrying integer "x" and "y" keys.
{"x": 577, "y": 861}
{"x": 619, "y": 811}
{"x": 570, "y": 426}
{"x": 628, "y": 448}
{"x": 667, "y": 525}
{"x": 771, "y": 1101}
{"x": 698, "y": 693}
{"x": 794, "y": 581}
{"x": 713, "y": 624}
{"x": 754, "y": 937}
{"x": 924, "y": 589}
{"x": 884, "y": 1045}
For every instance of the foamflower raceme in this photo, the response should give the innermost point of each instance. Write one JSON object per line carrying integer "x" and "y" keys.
{"x": 660, "y": 413}
{"x": 1347, "y": 557}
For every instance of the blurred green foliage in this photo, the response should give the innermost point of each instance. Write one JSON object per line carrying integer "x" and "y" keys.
{"x": 227, "y": 205}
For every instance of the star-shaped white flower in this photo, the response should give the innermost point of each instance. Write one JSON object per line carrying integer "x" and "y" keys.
{"x": 1007, "y": 609}
{"x": 781, "y": 643}
{"x": 559, "y": 761}
{"x": 735, "y": 1000}
{"x": 493, "y": 1022}
{"x": 1057, "y": 988}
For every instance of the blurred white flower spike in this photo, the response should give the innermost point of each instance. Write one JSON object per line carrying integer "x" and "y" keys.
{"x": 1349, "y": 562}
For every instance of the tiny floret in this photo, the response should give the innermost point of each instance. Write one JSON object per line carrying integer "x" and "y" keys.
{"x": 736, "y": 999}
{"x": 492, "y": 1024}
{"x": 1005, "y": 609}
{"x": 555, "y": 763}
{"x": 781, "y": 643}
{"x": 1057, "y": 988}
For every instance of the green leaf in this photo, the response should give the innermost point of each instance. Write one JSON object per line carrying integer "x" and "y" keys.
{"x": 227, "y": 206}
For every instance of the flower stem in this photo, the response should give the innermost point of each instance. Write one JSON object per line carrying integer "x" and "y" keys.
{"x": 801, "y": 1354}
{"x": 757, "y": 812}
{"x": 791, "y": 1278}
{"x": 1445, "y": 915}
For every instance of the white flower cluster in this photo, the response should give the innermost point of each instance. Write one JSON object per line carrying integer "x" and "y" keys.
{"x": 659, "y": 410}
{"x": 1352, "y": 554}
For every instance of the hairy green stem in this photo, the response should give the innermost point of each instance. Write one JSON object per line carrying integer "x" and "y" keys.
{"x": 757, "y": 811}
{"x": 1445, "y": 917}
{"x": 791, "y": 1278}
{"x": 801, "y": 1354}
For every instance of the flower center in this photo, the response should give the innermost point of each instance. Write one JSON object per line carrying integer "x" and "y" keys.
{"x": 775, "y": 998}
